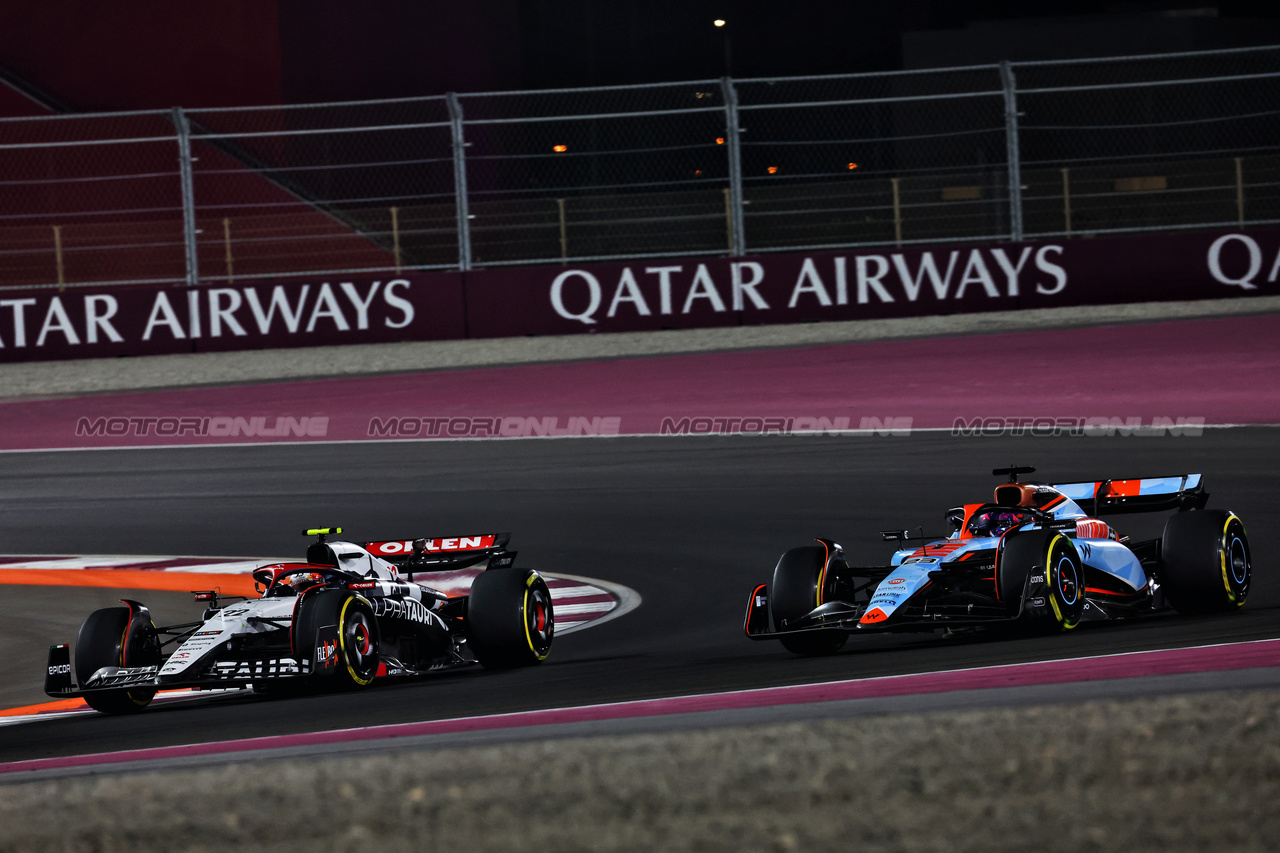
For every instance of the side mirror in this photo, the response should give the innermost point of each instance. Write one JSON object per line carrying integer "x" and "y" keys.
{"x": 955, "y": 517}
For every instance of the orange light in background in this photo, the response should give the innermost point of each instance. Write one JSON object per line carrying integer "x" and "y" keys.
{"x": 719, "y": 140}
{"x": 697, "y": 173}
{"x": 772, "y": 170}
{"x": 853, "y": 165}
{"x": 560, "y": 149}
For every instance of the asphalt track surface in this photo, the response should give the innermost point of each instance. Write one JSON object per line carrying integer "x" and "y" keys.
{"x": 690, "y": 523}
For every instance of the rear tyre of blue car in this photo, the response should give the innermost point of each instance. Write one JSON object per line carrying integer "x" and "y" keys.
{"x": 1206, "y": 563}
{"x": 111, "y": 637}
{"x": 510, "y": 621}
{"x": 800, "y": 584}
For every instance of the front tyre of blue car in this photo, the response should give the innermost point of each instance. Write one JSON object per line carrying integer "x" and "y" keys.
{"x": 800, "y": 584}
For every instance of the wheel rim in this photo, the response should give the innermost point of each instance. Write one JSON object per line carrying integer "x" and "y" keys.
{"x": 1238, "y": 561}
{"x": 358, "y": 643}
{"x": 360, "y": 634}
{"x": 1068, "y": 581}
{"x": 539, "y": 620}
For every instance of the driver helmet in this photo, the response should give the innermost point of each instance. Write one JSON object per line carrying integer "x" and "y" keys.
{"x": 996, "y": 522}
{"x": 303, "y": 580}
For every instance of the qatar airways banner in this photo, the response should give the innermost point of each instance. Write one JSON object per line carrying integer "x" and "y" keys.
{"x": 871, "y": 283}
{"x": 635, "y": 296}
{"x": 87, "y": 322}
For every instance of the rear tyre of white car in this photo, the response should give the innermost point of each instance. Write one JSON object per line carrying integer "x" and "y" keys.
{"x": 510, "y": 620}
{"x": 111, "y": 637}
{"x": 1206, "y": 564}
{"x": 799, "y": 586}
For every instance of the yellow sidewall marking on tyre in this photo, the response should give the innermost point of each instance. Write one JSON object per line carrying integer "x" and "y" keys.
{"x": 524, "y": 614}
{"x": 1055, "y": 585}
{"x": 1049, "y": 571}
{"x": 342, "y": 641}
{"x": 1222, "y": 557}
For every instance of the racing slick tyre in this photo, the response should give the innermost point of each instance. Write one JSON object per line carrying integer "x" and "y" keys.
{"x": 1206, "y": 563}
{"x": 1053, "y": 554}
{"x": 510, "y": 621}
{"x": 112, "y": 637}
{"x": 357, "y": 638}
{"x": 799, "y": 585}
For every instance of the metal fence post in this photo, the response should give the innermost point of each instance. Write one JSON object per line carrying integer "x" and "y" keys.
{"x": 1010, "y": 86}
{"x": 460, "y": 183}
{"x": 188, "y": 197}
{"x": 737, "y": 227}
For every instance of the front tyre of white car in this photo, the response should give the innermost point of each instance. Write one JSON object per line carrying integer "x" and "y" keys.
{"x": 113, "y": 637}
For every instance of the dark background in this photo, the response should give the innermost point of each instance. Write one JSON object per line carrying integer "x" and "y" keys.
{"x": 151, "y": 54}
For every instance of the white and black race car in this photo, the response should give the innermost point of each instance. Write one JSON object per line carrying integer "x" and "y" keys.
{"x": 345, "y": 617}
{"x": 1033, "y": 555}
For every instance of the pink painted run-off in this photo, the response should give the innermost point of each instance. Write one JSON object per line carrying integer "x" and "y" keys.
{"x": 1222, "y": 370}
{"x": 1230, "y": 656}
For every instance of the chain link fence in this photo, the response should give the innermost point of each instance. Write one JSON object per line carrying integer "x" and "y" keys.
{"x": 1010, "y": 151}
{"x": 874, "y": 159}
{"x": 1118, "y": 145}
{"x": 90, "y": 198}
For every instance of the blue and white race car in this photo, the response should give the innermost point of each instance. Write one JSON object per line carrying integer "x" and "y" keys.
{"x": 1032, "y": 555}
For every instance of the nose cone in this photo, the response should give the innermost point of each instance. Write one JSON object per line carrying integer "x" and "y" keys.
{"x": 873, "y": 616}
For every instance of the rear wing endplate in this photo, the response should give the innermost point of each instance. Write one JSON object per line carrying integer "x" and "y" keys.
{"x": 1151, "y": 494}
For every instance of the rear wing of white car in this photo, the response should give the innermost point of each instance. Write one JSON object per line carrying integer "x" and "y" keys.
{"x": 1149, "y": 494}
{"x": 429, "y": 554}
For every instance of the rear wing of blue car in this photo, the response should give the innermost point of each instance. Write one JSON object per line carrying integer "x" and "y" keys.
{"x": 1149, "y": 494}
